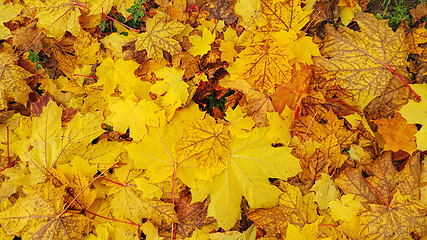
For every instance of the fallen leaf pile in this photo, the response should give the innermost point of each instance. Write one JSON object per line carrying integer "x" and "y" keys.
{"x": 183, "y": 119}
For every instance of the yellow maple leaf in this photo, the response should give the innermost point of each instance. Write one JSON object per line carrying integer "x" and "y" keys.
{"x": 157, "y": 154}
{"x": 58, "y": 16}
{"x": 280, "y": 125}
{"x": 250, "y": 12}
{"x": 308, "y": 232}
{"x": 201, "y": 45}
{"x": 177, "y": 10}
{"x": 159, "y": 37}
{"x": 263, "y": 66}
{"x": 239, "y": 124}
{"x": 361, "y": 60}
{"x": 150, "y": 231}
{"x": 173, "y": 87}
{"x": 251, "y": 162}
{"x": 345, "y": 209}
{"x": 293, "y": 207}
{"x": 325, "y": 191}
{"x": 129, "y": 202}
{"x": 111, "y": 73}
{"x": 115, "y": 41}
{"x": 284, "y": 15}
{"x": 87, "y": 48}
{"x": 205, "y": 140}
{"x": 13, "y": 87}
{"x": 134, "y": 115}
{"x": 346, "y": 13}
{"x": 302, "y": 47}
{"x": 50, "y": 144}
{"x": 402, "y": 218}
{"x": 36, "y": 216}
{"x": 228, "y": 53}
{"x": 258, "y": 103}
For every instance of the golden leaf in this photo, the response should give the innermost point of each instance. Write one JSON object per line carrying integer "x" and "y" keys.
{"x": 363, "y": 62}
{"x": 402, "y": 218}
{"x": 13, "y": 87}
{"x": 41, "y": 206}
{"x": 159, "y": 37}
{"x": 205, "y": 140}
{"x": 263, "y": 66}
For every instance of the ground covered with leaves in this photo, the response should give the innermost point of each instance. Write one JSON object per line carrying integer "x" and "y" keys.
{"x": 213, "y": 119}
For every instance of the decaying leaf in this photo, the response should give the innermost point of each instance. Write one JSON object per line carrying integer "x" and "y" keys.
{"x": 365, "y": 62}
{"x": 159, "y": 37}
{"x": 13, "y": 86}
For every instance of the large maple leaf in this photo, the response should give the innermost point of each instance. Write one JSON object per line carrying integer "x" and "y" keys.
{"x": 399, "y": 220}
{"x": 251, "y": 162}
{"x": 50, "y": 144}
{"x": 205, "y": 140}
{"x": 134, "y": 115}
{"x": 58, "y": 16}
{"x": 283, "y": 15}
{"x": 365, "y": 62}
{"x": 128, "y": 202}
{"x": 157, "y": 154}
{"x": 39, "y": 215}
{"x": 264, "y": 66}
{"x": 383, "y": 179}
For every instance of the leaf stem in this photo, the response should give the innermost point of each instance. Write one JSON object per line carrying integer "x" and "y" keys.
{"x": 281, "y": 234}
{"x": 401, "y": 79}
{"x": 323, "y": 229}
{"x": 121, "y": 184}
{"x": 10, "y": 165}
{"x": 78, "y": 4}
{"x": 115, "y": 220}
{"x": 377, "y": 192}
{"x": 80, "y": 75}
